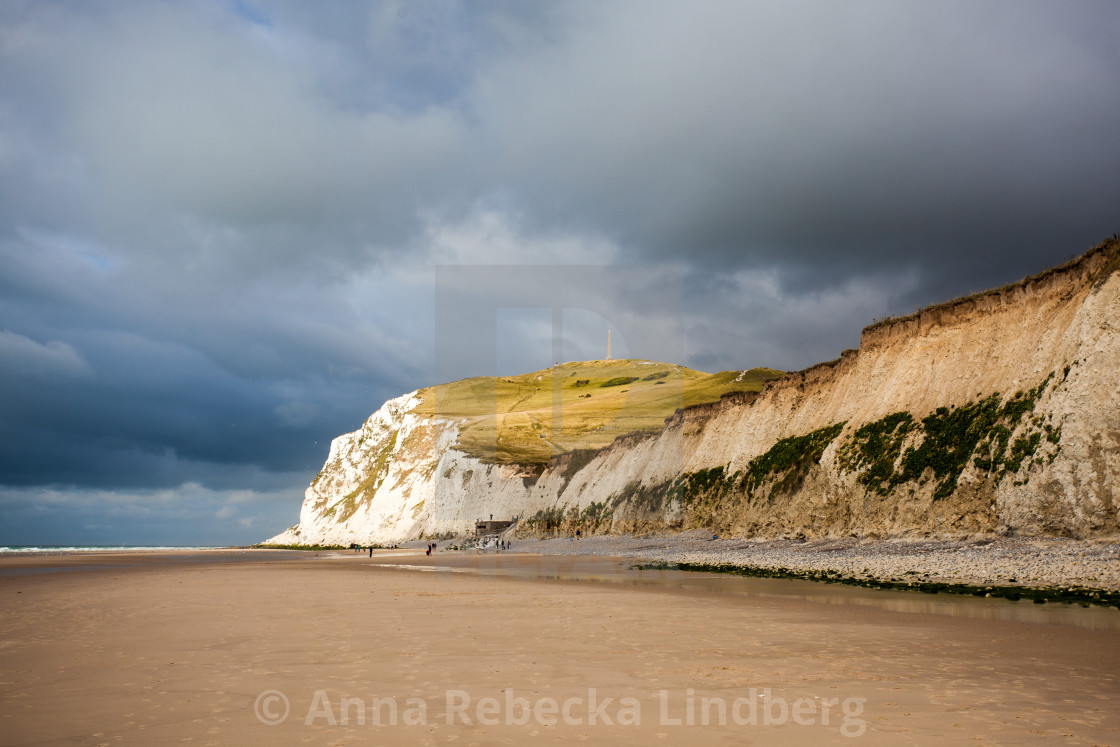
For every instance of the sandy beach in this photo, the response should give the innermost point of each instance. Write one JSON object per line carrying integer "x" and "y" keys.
{"x": 254, "y": 647}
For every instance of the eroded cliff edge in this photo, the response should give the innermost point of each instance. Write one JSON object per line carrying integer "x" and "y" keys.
{"x": 998, "y": 413}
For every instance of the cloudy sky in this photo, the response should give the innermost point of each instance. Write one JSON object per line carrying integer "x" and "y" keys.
{"x": 226, "y": 226}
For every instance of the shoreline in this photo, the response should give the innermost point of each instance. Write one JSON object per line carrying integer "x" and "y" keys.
{"x": 85, "y": 560}
{"x": 1080, "y": 595}
{"x": 1012, "y": 562}
{"x": 1084, "y": 572}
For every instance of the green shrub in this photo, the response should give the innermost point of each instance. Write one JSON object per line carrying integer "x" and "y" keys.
{"x": 789, "y": 460}
{"x": 619, "y": 381}
{"x": 978, "y": 433}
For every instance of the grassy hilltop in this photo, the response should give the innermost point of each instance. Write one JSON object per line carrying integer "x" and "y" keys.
{"x": 529, "y": 418}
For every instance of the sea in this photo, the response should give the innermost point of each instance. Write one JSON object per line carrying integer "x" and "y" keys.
{"x": 12, "y": 549}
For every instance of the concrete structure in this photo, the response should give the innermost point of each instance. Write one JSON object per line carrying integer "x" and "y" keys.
{"x": 486, "y": 528}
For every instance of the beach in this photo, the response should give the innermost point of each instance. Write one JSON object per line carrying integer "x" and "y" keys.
{"x": 258, "y": 646}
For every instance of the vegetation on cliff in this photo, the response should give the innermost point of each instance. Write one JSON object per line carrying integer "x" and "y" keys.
{"x": 530, "y": 418}
{"x": 944, "y": 443}
{"x": 785, "y": 464}
{"x": 997, "y": 437}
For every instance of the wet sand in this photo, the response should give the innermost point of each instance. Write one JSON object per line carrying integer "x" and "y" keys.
{"x": 205, "y": 647}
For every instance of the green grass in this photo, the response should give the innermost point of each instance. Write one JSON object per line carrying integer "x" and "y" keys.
{"x": 529, "y": 418}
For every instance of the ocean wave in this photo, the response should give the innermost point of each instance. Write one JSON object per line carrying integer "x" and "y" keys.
{"x": 12, "y": 549}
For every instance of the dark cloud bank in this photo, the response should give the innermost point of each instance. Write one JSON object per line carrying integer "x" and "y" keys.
{"x": 220, "y": 223}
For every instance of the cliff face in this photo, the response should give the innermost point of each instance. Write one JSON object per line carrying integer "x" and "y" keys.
{"x": 996, "y": 413}
{"x": 399, "y": 477}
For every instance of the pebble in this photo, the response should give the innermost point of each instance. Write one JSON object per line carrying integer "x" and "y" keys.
{"x": 1029, "y": 561}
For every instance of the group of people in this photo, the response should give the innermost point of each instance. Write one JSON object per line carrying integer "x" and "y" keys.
{"x": 433, "y": 546}
{"x": 362, "y": 548}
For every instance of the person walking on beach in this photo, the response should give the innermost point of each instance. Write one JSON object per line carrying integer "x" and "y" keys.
{"x": 371, "y": 550}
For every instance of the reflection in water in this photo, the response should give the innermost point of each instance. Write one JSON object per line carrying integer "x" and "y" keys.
{"x": 620, "y": 571}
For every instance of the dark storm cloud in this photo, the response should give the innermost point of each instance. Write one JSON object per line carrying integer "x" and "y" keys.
{"x": 837, "y": 135}
{"x": 219, "y": 221}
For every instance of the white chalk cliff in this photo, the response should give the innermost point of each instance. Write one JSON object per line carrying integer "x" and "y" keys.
{"x": 994, "y": 414}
